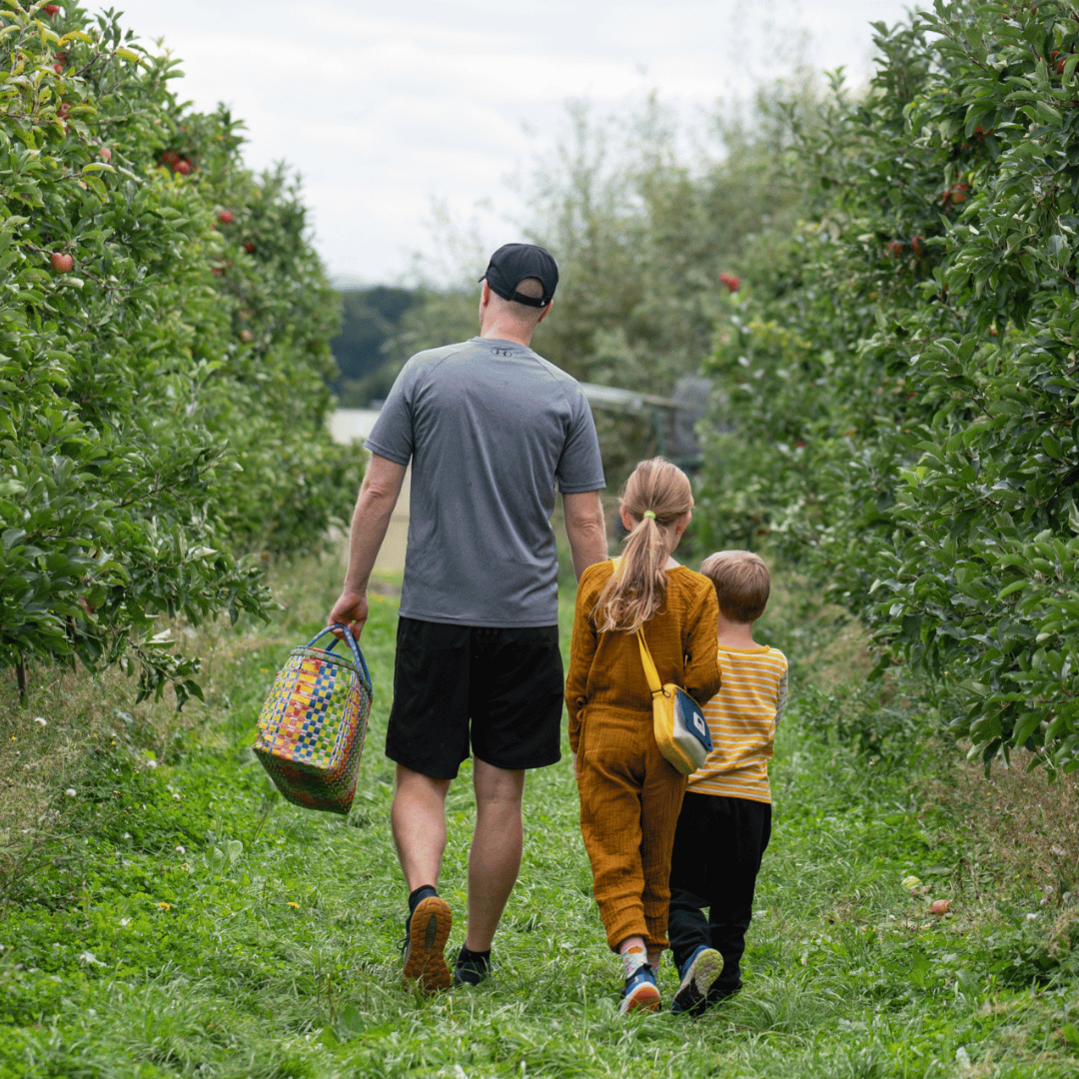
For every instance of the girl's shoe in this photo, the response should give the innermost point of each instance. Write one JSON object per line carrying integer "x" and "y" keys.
{"x": 699, "y": 973}
{"x": 640, "y": 992}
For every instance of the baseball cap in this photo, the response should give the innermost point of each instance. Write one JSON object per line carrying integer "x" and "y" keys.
{"x": 512, "y": 263}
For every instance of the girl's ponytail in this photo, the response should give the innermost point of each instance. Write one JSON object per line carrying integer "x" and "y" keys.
{"x": 657, "y": 496}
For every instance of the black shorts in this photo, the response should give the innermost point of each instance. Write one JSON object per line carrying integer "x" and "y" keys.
{"x": 506, "y": 681}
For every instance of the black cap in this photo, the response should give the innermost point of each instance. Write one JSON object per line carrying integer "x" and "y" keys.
{"x": 512, "y": 263}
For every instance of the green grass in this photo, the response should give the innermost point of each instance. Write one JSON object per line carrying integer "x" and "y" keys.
{"x": 272, "y": 952}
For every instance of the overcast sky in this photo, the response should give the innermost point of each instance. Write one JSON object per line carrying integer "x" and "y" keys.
{"x": 390, "y": 109}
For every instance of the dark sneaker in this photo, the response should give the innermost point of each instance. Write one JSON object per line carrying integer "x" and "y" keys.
{"x": 699, "y": 973}
{"x": 427, "y": 930}
{"x": 640, "y": 992}
{"x": 471, "y": 971}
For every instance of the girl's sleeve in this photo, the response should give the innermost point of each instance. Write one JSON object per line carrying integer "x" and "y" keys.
{"x": 702, "y": 654}
{"x": 581, "y": 652}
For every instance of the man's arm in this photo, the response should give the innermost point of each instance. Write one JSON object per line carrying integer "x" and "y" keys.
{"x": 585, "y": 529}
{"x": 378, "y": 495}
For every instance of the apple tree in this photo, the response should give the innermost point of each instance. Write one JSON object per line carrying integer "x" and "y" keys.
{"x": 163, "y": 357}
{"x": 901, "y": 370}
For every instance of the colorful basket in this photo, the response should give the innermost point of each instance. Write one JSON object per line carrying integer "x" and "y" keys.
{"x": 313, "y": 724}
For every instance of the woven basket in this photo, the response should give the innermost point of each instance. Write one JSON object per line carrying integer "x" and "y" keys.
{"x": 312, "y": 727}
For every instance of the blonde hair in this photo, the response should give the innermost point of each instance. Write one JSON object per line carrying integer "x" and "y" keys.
{"x": 741, "y": 581}
{"x": 638, "y": 587}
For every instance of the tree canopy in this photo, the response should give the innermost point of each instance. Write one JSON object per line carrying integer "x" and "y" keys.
{"x": 164, "y": 359}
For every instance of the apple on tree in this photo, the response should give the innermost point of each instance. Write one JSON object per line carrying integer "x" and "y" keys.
{"x": 61, "y": 262}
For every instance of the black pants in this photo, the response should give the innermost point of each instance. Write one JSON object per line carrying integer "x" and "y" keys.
{"x": 717, "y": 854}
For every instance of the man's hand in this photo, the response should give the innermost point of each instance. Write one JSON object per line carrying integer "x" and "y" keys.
{"x": 349, "y": 610}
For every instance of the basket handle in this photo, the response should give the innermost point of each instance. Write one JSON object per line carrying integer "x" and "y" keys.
{"x": 357, "y": 655}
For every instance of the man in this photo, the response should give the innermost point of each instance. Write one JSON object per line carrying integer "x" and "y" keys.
{"x": 490, "y": 428}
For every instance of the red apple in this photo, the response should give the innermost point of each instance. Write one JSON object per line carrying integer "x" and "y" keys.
{"x": 183, "y": 166}
{"x": 105, "y": 154}
{"x": 249, "y": 247}
{"x": 61, "y": 262}
{"x": 51, "y": 9}
{"x": 225, "y": 217}
{"x": 940, "y": 906}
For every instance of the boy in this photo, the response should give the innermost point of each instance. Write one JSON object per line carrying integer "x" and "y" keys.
{"x": 726, "y": 818}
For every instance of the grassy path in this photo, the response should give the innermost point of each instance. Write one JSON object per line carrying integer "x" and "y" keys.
{"x": 163, "y": 937}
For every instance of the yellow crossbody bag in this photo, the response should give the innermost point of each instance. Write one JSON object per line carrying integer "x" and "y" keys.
{"x": 681, "y": 731}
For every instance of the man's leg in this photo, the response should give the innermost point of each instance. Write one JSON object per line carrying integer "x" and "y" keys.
{"x": 418, "y": 819}
{"x": 495, "y": 858}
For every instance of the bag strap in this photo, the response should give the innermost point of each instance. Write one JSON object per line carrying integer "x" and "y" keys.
{"x": 354, "y": 648}
{"x": 650, "y": 672}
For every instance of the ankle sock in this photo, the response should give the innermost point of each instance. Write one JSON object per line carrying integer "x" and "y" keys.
{"x": 421, "y": 893}
{"x": 633, "y": 959}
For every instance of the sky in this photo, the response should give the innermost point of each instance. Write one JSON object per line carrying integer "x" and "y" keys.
{"x": 408, "y": 122}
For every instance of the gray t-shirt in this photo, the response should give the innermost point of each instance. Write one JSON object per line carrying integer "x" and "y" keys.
{"x": 489, "y": 426}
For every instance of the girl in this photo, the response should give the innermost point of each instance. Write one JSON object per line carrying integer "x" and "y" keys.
{"x": 630, "y": 795}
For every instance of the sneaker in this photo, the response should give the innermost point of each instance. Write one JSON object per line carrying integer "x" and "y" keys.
{"x": 640, "y": 992}
{"x": 470, "y": 971}
{"x": 426, "y": 932}
{"x": 699, "y": 974}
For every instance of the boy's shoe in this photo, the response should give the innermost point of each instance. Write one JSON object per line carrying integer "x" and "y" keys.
{"x": 470, "y": 971}
{"x": 640, "y": 992}
{"x": 426, "y": 932}
{"x": 699, "y": 973}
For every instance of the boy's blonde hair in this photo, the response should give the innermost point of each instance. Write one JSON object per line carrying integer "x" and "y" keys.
{"x": 632, "y": 596}
{"x": 742, "y": 583}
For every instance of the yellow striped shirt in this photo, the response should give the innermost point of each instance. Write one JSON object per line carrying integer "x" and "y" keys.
{"x": 742, "y": 718}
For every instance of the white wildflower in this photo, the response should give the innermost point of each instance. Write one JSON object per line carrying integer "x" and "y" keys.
{"x": 71, "y": 792}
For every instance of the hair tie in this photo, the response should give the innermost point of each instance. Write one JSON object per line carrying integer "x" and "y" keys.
{"x": 649, "y": 513}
